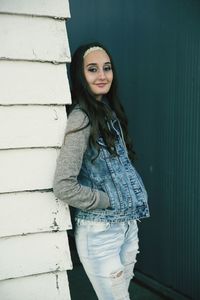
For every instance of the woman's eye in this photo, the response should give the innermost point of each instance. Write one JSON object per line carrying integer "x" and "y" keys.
{"x": 107, "y": 68}
{"x": 93, "y": 69}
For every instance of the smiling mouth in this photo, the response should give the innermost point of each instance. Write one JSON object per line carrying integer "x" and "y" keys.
{"x": 101, "y": 85}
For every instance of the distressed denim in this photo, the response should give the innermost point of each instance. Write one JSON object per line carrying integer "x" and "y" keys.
{"x": 116, "y": 176}
{"x": 108, "y": 254}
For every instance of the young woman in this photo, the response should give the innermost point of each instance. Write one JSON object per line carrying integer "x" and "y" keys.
{"x": 95, "y": 175}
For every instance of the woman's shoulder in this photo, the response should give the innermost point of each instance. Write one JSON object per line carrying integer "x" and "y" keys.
{"x": 77, "y": 119}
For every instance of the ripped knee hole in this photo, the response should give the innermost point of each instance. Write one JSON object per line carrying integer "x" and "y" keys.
{"x": 117, "y": 274}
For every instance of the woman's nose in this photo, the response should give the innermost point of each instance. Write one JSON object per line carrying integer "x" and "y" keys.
{"x": 102, "y": 74}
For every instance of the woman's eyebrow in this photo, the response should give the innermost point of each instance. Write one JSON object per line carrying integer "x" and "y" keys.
{"x": 95, "y": 64}
{"x": 91, "y": 64}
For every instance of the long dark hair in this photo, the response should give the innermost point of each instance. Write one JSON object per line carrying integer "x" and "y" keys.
{"x": 98, "y": 112}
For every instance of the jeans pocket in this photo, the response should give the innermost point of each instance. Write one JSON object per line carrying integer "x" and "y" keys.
{"x": 97, "y": 238}
{"x": 92, "y": 226}
{"x": 96, "y": 227}
{"x": 91, "y": 236}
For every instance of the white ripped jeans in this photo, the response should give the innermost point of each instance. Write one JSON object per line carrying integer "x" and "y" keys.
{"x": 108, "y": 254}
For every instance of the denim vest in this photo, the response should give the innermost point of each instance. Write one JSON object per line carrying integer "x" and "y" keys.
{"x": 116, "y": 176}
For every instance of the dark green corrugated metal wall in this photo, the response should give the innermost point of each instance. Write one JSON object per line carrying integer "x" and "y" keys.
{"x": 156, "y": 47}
{"x": 167, "y": 93}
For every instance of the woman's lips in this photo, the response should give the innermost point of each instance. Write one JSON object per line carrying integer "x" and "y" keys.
{"x": 101, "y": 85}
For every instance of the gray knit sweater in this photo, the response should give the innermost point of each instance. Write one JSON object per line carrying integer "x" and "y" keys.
{"x": 66, "y": 186}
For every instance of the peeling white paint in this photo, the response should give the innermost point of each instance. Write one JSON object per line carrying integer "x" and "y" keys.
{"x": 32, "y": 212}
{"x": 50, "y": 286}
{"x": 34, "y": 254}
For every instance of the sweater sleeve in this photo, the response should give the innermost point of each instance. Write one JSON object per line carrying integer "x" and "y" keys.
{"x": 66, "y": 186}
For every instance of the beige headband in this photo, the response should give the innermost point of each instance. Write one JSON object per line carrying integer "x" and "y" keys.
{"x": 95, "y": 48}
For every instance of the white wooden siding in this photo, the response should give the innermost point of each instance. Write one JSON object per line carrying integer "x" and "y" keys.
{"x": 34, "y": 250}
{"x": 34, "y": 254}
{"x": 27, "y": 169}
{"x": 36, "y": 7}
{"x": 25, "y": 82}
{"x": 51, "y": 286}
{"x": 45, "y": 126}
{"x": 35, "y": 39}
{"x": 32, "y": 212}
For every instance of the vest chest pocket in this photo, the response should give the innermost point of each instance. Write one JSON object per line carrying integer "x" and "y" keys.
{"x": 111, "y": 163}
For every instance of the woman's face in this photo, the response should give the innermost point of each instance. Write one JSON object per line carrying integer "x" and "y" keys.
{"x": 98, "y": 73}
